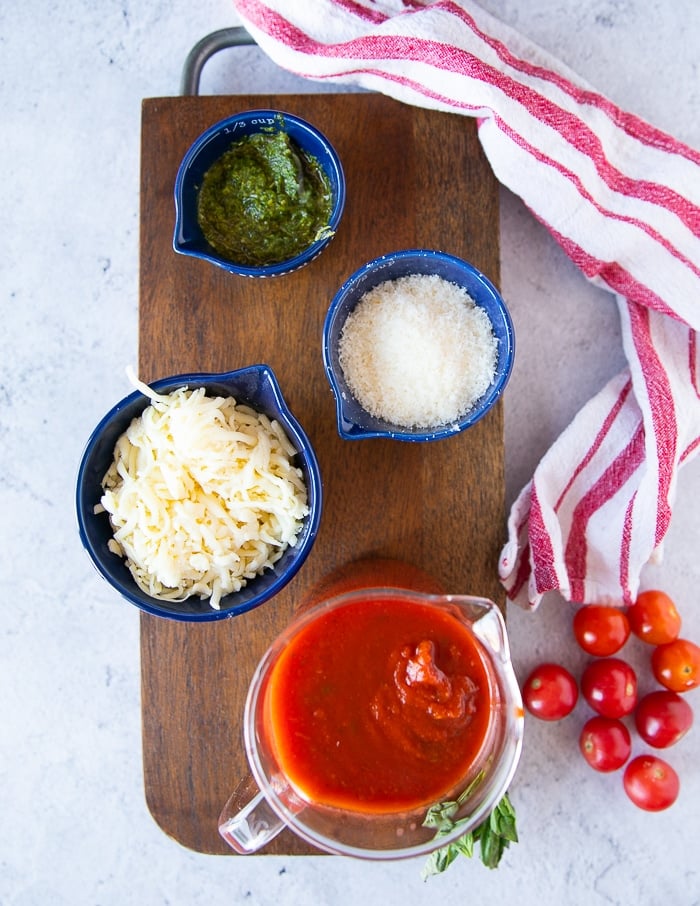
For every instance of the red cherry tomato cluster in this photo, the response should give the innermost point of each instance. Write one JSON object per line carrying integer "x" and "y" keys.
{"x": 608, "y": 684}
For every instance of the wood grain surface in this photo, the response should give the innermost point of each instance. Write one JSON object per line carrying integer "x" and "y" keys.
{"x": 415, "y": 178}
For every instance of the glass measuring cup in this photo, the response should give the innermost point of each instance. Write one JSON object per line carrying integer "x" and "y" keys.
{"x": 272, "y": 798}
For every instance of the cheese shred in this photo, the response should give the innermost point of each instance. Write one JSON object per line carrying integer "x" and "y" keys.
{"x": 202, "y": 495}
{"x": 417, "y": 351}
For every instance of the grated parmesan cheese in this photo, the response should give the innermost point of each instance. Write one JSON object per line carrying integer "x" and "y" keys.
{"x": 202, "y": 495}
{"x": 417, "y": 351}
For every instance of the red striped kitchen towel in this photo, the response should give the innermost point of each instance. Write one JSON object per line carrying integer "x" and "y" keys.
{"x": 623, "y": 200}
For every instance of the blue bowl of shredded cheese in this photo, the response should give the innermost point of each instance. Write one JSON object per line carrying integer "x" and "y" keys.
{"x": 199, "y": 496}
{"x": 417, "y": 345}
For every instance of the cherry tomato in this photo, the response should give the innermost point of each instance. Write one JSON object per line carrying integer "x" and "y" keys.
{"x": 653, "y": 618}
{"x": 651, "y": 783}
{"x": 601, "y": 630}
{"x": 550, "y": 692}
{"x": 676, "y": 665}
{"x": 605, "y": 743}
{"x": 609, "y": 685}
{"x": 662, "y": 718}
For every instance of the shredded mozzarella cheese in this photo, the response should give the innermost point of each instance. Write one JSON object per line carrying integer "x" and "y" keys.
{"x": 417, "y": 351}
{"x": 202, "y": 495}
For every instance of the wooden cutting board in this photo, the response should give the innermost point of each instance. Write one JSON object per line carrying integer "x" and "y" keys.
{"x": 415, "y": 178}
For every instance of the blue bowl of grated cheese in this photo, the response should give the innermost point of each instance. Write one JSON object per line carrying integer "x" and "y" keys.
{"x": 417, "y": 345}
{"x": 199, "y": 496}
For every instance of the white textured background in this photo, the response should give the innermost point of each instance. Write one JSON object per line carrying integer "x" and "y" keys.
{"x": 74, "y": 827}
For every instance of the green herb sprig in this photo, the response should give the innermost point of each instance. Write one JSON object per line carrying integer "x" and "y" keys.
{"x": 494, "y": 834}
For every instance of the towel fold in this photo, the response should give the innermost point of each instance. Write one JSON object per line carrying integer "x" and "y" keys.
{"x": 621, "y": 197}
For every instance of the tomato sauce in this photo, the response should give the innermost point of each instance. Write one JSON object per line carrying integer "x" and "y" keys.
{"x": 380, "y": 706}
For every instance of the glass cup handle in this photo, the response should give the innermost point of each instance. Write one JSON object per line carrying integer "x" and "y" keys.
{"x": 247, "y": 821}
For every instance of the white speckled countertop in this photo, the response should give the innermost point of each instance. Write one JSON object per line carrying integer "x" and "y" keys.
{"x": 75, "y": 828}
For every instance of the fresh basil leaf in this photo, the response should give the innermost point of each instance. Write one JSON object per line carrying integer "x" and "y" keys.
{"x": 439, "y": 861}
{"x": 492, "y": 848}
{"x": 465, "y": 844}
{"x": 441, "y": 815}
{"x": 495, "y": 834}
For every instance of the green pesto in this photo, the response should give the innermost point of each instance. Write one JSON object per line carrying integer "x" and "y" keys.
{"x": 264, "y": 200}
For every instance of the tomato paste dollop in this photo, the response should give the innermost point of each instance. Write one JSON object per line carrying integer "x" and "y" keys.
{"x": 423, "y": 705}
{"x": 382, "y": 705}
